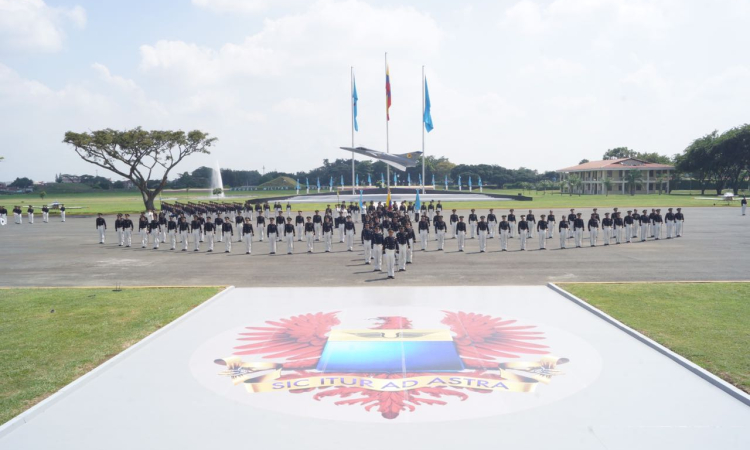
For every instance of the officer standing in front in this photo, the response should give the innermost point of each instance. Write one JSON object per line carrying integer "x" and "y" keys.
{"x": 523, "y": 232}
{"x": 504, "y": 227}
{"x": 101, "y": 225}
{"x": 390, "y": 249}
{"x": 440, "y": 229}
{"x": 482, "y": 232}
{"x": 271, "y": 231}
{"x": 403, "y": 243}
{"x": 289, "y": 233}
{"x": 247, "y": 235}
{"x": 593, "y": 227}
{"x": 541, "y": 229}
{"x": 461, "y": 233}
{"x": 377, "y": 248}
{"x": 679, "y": 222}
{"x": 349, "y": 231}
{"x": 228, "y": 232}
{"x": 578, "y": 226}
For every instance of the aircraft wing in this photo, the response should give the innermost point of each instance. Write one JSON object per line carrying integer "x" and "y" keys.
{"x": 399, "y": 161}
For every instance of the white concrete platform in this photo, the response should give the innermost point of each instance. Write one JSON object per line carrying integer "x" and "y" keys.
{"x": 555, "y": 376}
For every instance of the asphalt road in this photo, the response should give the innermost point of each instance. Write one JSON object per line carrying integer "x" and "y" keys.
{"x": 715, "y": 246}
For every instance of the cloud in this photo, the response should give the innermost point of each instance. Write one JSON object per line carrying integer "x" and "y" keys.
{"x": 527, "y": 16}
{"x": 306, "y": 40}
{"x": 232, "y": 6}
{"x": 33, "y": 25}
{"x": 554, "y": 67}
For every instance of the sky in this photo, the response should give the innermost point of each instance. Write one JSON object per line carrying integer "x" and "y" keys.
{"x": 531, "y": 83}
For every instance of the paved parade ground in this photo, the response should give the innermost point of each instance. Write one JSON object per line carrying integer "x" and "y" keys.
{"x": 463, "y": 367}
{"x": 714, "y": 247}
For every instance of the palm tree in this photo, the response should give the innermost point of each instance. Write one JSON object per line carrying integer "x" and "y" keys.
{"x": 574, "y": 181}
{"x": 633, "y": 178}
{"x": 607, "y": 183}
{"x": 661, "y": 179}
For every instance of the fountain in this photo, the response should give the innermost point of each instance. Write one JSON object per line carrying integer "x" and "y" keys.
{"x": 216, "y": 181}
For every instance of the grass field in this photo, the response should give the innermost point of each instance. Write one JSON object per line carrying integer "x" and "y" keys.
{"x": 707, "y": 323}
{"x": 42, "y": 351}
{"x": 109, "y": 202}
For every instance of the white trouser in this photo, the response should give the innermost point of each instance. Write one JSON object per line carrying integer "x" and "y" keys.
{"x": 563, "y": 238}
{"x": 571, "y": 231}
{"x": 551, "y": 229}
{"x": 578, "y": 234}
{"x": 390, "y": 261}
{"x": 30, "y": 217}
{"x": 461, "y": 240}
{"x": 289, "y": 243}
{"x": 210, "y": 237}
{"x": 368, "y": 250}
{"x": 62, "y": 215}
{"x": 300, "y": 231}
{"x": 657, "y": 230}
{"x": 197, "y": 239}
{"x": 248, "y": 238}
{"x": 522, "y": 235}
{"x": 441, "y": 239}
{"x": 410, "y": 251}
{"x": 128, "y": 238}
{"x": 120, "y": 235}
{"x": 349, "y": 239}
{"x": 504, "y": 239}
{"x": 172, "y": 239}
{"x": 492, "y": 225}
{"x": 219, "y": 234}
{"x": 318, "y": 227}
{"x": 453, "y": 229}
{"x": 266, "y": 213}
{"x": 184, "y": 237}
{"x": 310, "y": 238}
{"x": 430, "y": 214}
{"x": 644, "y": 231}
{"x": 328, "y": 238}
{"x": 377, "y": 253}
{"x": 101, "y": 229}
{"x": 144, "y": 237}
{"x": 678, "y": 227}
{"x": 607, "y": 232}
{"x": 402, "y": 258}
{"x": 423, "y": 238}
{"x": 272, "y": 242}
{"x": 156, "y": 234}
{"x": 261, "y": 231}
{"x": 473, "y": 229}
{"x": 628, "y": 232}
{"x": 670, "y": 228}
{"x": 482, "y": 240}
{"x": 163, "y": 233}
{"x": 45, "y": 216}
{"x": 618, "y": 234}
{"x": 593, "y": 233}
{"x": 532, "y": 227}
{"x": 744, "y": 208}
{"x": 341, "y": 232}
{"x": 542, "y": 239}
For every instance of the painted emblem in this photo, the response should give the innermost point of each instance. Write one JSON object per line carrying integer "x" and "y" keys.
{"x": 391, "y": 368}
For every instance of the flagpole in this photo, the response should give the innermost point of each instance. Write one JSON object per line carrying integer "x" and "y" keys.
{"x": 387, "y": 142}
{"x": 351, "y": 99}
{"x": 423, "y": 174}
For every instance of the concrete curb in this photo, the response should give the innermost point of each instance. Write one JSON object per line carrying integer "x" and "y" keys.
{"x": 42, "y": 406}
{"x": 697, "y": 370}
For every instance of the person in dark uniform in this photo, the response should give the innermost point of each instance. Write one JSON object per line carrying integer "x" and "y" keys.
{"x": 127, "y": 230}
{"x": 327, "y": 233}
{"x": 299, "y": 224}
{"x": 403, "y": 243}
{"x": 453, "y": 221}
{"x": 3, "y": 215}
{"x": 618, "y": 228}
{"x": 62, "y": 212}
{"x": 461, "y": 233}
{"x": 512, "y": 223}
{"x": 247, "y": 235}
{"x": 377, "y": 248}
{"x": 743, "y": 205}
{"x": 154, "y": 229}
{"x": 607, "y": 224}
{"x": 45, "y": 214}
{"x": 492, "y": 223}
{"x": 318, "y": 223}
{"x": 645, "y": 220}
{"x": 424, "y": 231}
{"x": 184, "y": 229}
{"x": 473, "y": 219}
{"x": 657, "y": 221}
{"x": 571, "y": 223}
{"x": 340, "y": 223}
{"x": 309, "y": 231}
{"x": 679, "y": 219}
{"x": 172, "y": 232}
{"x": 196, "y": 228}
{"x": 651, "y": 222}
{"x": 523, "y": 231}
{"x": 260, "y": 222}
{"x": 390, "y": 249}
{"x": 578, "y": 226}
{"x": 209, "y": 230}
{"x": 118, "y": 230}
{"x": 412, "y": 239}
{"x": 163, "y": 223}
{"x": 636, "y": 223}
{"x": 289, "y": 233}
{"x": 531, "y": 220}
{"x": 563, "y": 230}
{"x": 228, "y": 232}
{"x": 349, "y": 232}
{"x": 593, "y": 227}
{"x": 440, "y": 229}
{"x": 367, "y": 242}
{"x": 628, "y": 222}
{"x": 541, "y": 229}
{"x": 143, "y": 229}
{"x": 281, "y": 224}
{"x": 504, "y": 227}
{"x": 551, "y": 223}
{"x": 670, "y": 223}
{"x": 30, "y": 212}
{"x": 482, "y": 231}
{"x": 101, "y": 225}
{"x": 271, "y": 231}
{"x": 239, "y": 222}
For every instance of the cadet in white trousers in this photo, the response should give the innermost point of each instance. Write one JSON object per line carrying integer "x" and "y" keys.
{"x": 247, "y": 235}
{"x": 289, "y": 233}
{"x": 402, "y": 237}
{"x": 531, "y": 220}
{"x": 541, "y": 229}
{"x": 209, "y": 229}
{"x": 377, "y": 248}
{"x": 101, "y": 225}
{"x": 196, "y": 229}
{"x": 327, "y": 234}
{"x": 551, "y": 224}
{"x": 349, "y": 232}
{"x": 271, "y": 231}
{"x": 62, "y": 212}
{"x": 523, "y": 232}
{"x": 228, "y": 232}
{"x": 309, "y": 231}
{"x": 441, "y": 229}
{"x": 657, "y": 224}
{"x": 30, "y": 212}
{"x": 504, "y": 227}
{"x": 680, "y": 221}
{"x": 607, "y": 228}
{"x": 143, "y": 230}
{"x": 593, "y": 227}
{"x": 461, "y": 233}
{"x": 482, "y": 232}
{"x": 578, "y": 226}
{"x": 492, "y": 223}
{"x": 670, "y": 223}
{"x": 367, "y": 242}
{"x": 424, "y": 232}
{"x": 172, "y": 233}
{"x": 743, "y": 205}
{"x": 473, "y": 219}
{"x": 127, "y": 227}
{"x": 184, "y": 229}
{"x": 299, "y": 225}
{"x": 390, "y": 248}
{"x": 154, "y": 229}
{"x": 118, "y": 230}
{"x": 45, "y": 214}
{"x": 563, "y": 232}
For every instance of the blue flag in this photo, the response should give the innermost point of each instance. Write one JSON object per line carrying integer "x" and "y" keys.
{"x": 357, "y": 182}
{"x": 330, "y": 183}
{"x": 361, "y": 206}
{"x": 469, "y": 182}
{"x": 433, "y": 179}
{"x": 408, "y": 178}
{"x": 427, "y": 118}
{"x": 382, "y": 179}
{"x": 318, "y": 183}
{"x": 480, "y": 181}
{"x": 298, "y": 184}
{"x": 420, "y": 179}
{"x": 446, "y": 182}
{"x": 369, "y": 181}
{"x": 307, "y": 182}
{"x": 459, "y": 180}
{"x": 342, "y": 181}
{"x": 395, "y": 179}
{"x": 417, "y": 203}
{"x": 354, "y": 105}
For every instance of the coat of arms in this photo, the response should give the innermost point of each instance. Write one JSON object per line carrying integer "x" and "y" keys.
{"x": 391, "y": 368}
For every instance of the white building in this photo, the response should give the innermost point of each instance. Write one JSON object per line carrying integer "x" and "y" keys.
{"x": 593, "y": 174}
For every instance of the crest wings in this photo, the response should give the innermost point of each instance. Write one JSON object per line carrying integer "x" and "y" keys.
{"x": 481, "y": 339}
{"x": 298, "y": 339}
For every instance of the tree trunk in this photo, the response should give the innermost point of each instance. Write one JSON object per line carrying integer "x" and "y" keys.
{"x": 148, "y": 199}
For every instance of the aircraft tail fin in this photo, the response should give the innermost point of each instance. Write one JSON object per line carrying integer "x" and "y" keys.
{"x": 410, "y": 155}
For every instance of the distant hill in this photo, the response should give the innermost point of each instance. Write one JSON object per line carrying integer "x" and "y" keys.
{"x": 280, "y": 182}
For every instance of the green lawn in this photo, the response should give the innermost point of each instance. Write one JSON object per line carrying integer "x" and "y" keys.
{"x": 42, "y": 351}
{"x": 110, "y": 202}
{"x": 707, "y": 323}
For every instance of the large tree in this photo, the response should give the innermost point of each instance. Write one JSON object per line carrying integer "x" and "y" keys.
{"x": 138, "y": 154}
{"x": 732, "y": 155}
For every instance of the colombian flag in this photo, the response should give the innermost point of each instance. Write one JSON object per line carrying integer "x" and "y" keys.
{"x": 388, "y": 199}
{"x": 387, "y": 93}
